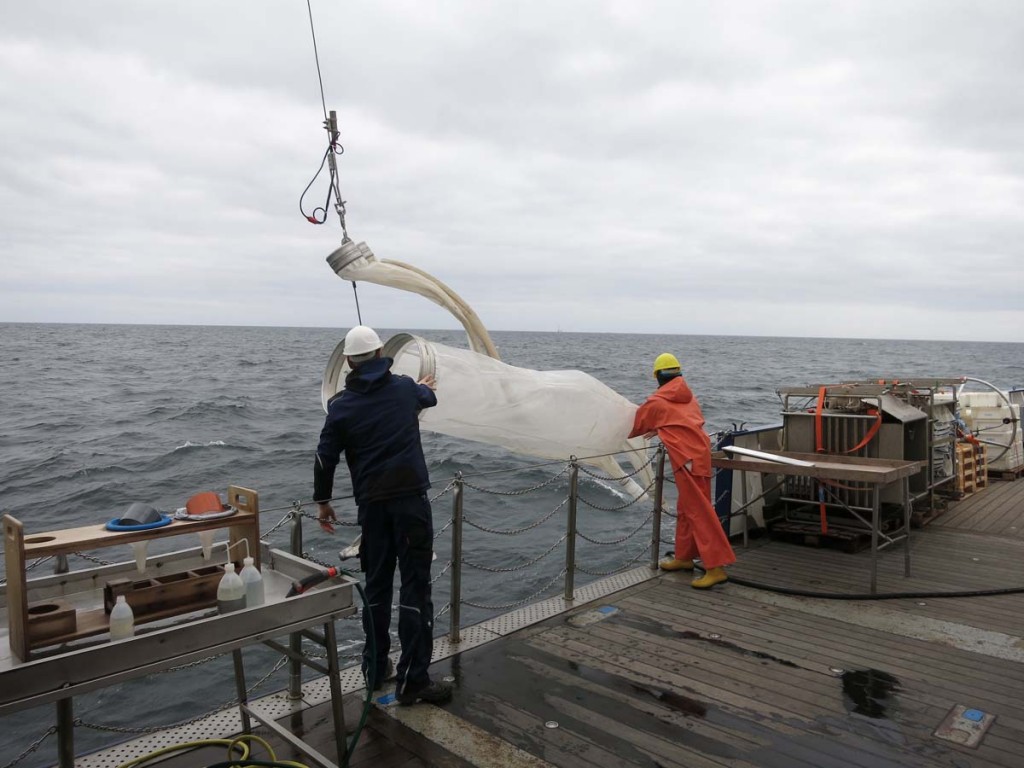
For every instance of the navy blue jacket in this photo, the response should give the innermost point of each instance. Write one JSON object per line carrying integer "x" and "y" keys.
{"x": 374, "y": 420}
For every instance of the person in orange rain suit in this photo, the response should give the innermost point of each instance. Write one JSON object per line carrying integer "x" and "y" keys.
{"x": 673, "y": 413}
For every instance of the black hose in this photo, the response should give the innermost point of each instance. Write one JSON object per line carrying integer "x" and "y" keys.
{"x": 371, "y": 674}
{"x": 862, "y": 596}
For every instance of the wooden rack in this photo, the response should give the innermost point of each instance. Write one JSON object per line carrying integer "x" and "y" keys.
{"x": 55, "y": 621}
{"x": 972, "y": 468}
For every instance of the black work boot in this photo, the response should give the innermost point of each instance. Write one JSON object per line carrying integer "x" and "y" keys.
{"x": 430, "y": 692}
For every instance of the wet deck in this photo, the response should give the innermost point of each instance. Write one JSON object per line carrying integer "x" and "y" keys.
{"x": 659, "y": 674}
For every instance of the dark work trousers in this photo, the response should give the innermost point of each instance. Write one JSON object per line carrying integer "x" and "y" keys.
{"x": 399, "y": 530}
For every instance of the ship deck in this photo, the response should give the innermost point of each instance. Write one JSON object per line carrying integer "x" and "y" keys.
{"x": 655, "y": 673}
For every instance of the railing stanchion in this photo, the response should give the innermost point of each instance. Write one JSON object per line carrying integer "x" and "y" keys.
{"x": 570, "y": 533}
{"x": 659, "y": 495}
{"x": 456, "y": 592}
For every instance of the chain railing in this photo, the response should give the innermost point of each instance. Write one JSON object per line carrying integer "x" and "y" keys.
{"x": 291, "y": 525}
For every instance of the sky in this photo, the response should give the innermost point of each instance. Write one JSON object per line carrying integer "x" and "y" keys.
{"x": 840, "y": 169}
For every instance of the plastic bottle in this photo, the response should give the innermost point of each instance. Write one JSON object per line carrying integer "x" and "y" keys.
{"x": 253, "y": 580}
{"x": 122, "y": 620}
{"x": 230, "y": 591}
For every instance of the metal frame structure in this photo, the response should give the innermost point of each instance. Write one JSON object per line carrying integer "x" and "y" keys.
{"x": 57, "y": 676}
{"x": 875, "y": 473}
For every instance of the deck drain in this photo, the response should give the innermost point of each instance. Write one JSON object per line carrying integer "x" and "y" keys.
{"x": 551, "y": 724}
{"x": 837, "y": 671}
{"x": 964, "y": 725}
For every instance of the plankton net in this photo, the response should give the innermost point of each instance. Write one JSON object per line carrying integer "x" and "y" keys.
{"x": 548, "y": 414}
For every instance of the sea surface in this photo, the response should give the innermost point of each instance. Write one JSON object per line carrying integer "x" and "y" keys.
{"x": 95, "y": 417}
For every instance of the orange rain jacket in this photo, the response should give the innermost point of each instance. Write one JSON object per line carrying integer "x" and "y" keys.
{"x": 673, "y": 412}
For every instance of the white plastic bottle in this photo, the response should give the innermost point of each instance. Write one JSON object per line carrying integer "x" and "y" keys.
{"x": 122, "y": 620}
{"x": 253, "y": 580}
{"x": 230, "y": 591}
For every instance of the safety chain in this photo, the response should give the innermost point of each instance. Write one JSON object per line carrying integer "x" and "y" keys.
{"x": 634, "y": 473}
{"x": 444, "y": 609}
{"x": 628, "y": 536}
{"x": 442, "y": 572}
{"x": 619, "y": 508}
{"x": 518, "y": 603}
{"x": 157, "y": 728}
{"x": 522, "y": 492}
{"x": 518, "y": 567}
{"x": 642, "y": 553}
{"x": 191, "y": 664}
{"x": 310, "y": 556}
{"x": 342, "y": 523}
{"x": 445, "y": 490}
{"x": 517, "y": 531}
{"x": 437, "y": 534}
{"x": 668, "y": 512}
{"x": 281, "y": 522}
{"x": 92, "y": 559}
{"x": 34, "y": 564}
{"x": 32, "y": 747}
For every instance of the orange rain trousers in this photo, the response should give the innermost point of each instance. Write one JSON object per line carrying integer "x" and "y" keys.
{"x": 699, "y": 532}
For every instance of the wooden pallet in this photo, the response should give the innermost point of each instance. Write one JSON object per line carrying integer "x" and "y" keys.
{"x": 810, "y": 535}
{"x": 971, "y": 468}
{"x": 1007, "y": 474}
{"x": 923, "y": 515}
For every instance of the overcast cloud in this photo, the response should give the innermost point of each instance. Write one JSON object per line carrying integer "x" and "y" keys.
{"x": 773, "y": 168}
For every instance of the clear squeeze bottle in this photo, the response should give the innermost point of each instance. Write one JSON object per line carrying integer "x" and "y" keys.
{"x": 253, "y": 580}
{"x": 230, "y": 591}
{"x": 122, "y": 620}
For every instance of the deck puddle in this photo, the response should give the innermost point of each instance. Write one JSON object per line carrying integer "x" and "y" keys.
{"x": 870, "y": 692}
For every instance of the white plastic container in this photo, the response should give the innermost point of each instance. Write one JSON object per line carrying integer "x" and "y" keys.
{"x": 122, "y": 620}
{"x": 253, "y": 580}
{"x": 230, "y": 591}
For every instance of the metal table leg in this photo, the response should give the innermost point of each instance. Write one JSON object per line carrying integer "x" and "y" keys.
{"x": 875, "y": 509}
{"x": 907, "y": 508}
{"x": 337, "y": 705}
{"x": 243, "y": 700}
{"x": 743, "y": 500}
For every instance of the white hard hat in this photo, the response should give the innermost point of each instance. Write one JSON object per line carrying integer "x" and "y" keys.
{"x": 361, "y": 340}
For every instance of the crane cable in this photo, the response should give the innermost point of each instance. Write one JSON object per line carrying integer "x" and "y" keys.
{"x": 319, "y": 214}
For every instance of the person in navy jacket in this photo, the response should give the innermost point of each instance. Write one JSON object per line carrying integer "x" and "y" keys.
{"x": 374, "y": 421}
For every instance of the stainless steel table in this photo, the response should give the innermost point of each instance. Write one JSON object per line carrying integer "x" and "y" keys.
{"x": 60, "y": 674}
{"x": 876, "y": 473}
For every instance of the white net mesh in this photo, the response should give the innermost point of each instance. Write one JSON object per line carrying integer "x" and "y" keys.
{"x": 547, "y": 414}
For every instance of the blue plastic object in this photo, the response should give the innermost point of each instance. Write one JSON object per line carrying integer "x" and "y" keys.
{"x": 116, "y": 524}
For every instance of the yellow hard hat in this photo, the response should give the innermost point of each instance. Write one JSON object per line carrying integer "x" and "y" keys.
{"x": 665, "y": 362}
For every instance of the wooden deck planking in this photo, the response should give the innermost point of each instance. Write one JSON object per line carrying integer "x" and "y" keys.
{"x": 740, "y": 677}
{"x": 949, "y": 555}
{"x": 804, "y": 697}
{"x": 998, "y": 509}
{"x": 779, "y": 630}
{"x": 819, "y": 650}
{"x": 652, "y": 685}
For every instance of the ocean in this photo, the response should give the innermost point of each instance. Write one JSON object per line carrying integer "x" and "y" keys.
{"x": 96, "y": 417}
